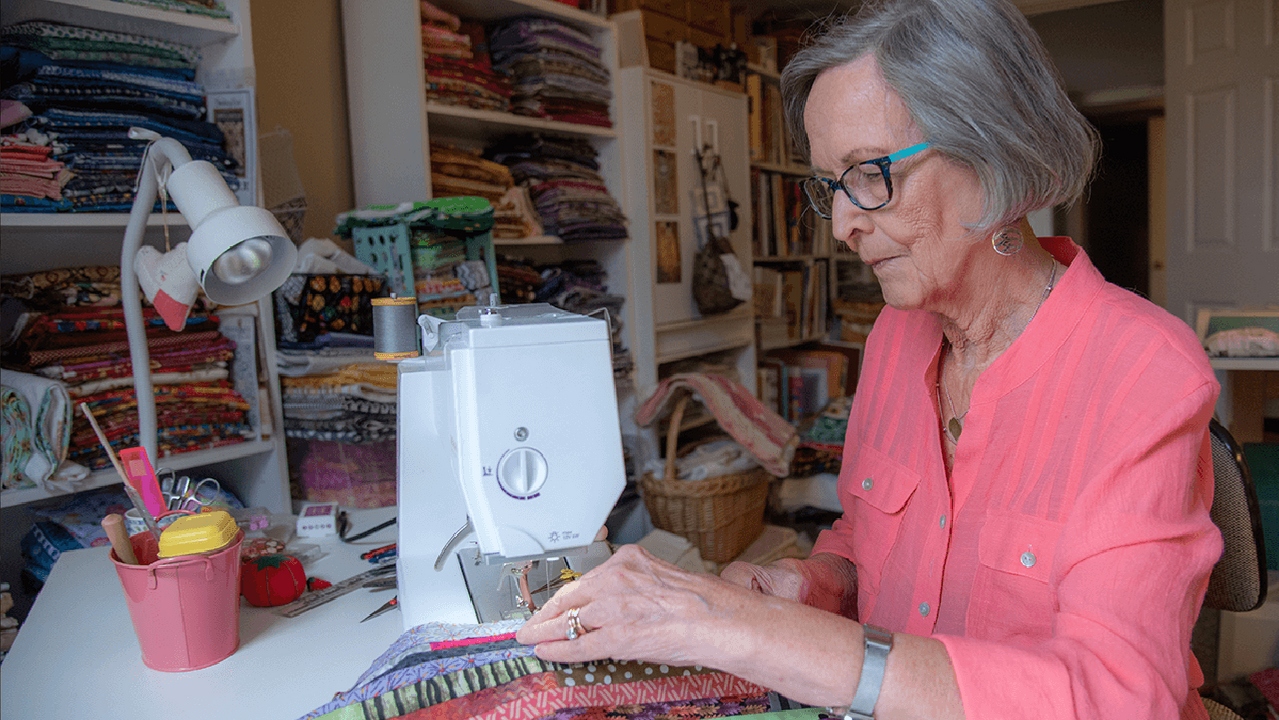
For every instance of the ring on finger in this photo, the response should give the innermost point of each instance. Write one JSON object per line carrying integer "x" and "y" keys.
{"x": 575, "y": 627}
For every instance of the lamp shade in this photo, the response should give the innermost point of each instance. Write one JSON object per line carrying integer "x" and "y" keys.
{"x": 238, "y": 253}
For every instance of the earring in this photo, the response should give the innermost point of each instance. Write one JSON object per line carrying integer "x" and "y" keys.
{"x": 1007, "y": 242}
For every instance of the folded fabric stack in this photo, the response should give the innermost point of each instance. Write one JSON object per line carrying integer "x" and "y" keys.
{"x": 208, "y": 8}
{"x": 337, "y": 393}
{"x": 70, "y": 328}
{"x": 339, "y": 401}
{"x": 458, "y": 172}
{"x": 563, "y": 181}
{"x": 556, "y": 71}
{"x": 518, "y": 280}
{"x": 458, "y": 68}
{"x": 85, "y": 88}
{"x": 443, "y": 671}
{"x": 339, "y": 420}
{"x": 26, "y": 170}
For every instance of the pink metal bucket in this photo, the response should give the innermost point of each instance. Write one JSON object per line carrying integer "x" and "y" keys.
{"x": 186, "y": 609}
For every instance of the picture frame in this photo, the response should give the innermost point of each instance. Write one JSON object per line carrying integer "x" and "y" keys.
{"x": 1211, "y": 320}
{"x": 235, "y": 113}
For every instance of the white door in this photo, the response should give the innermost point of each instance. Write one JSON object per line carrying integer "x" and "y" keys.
{"x": 1221, "y": 86}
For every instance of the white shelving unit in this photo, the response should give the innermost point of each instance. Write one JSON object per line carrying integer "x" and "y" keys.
{"x": 255, "y": 470}
{"x": 392, "y": 123}
{"x": 666, "y": 312}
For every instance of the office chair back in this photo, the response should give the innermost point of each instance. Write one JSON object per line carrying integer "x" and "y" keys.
{"x": 1238, "y": 581}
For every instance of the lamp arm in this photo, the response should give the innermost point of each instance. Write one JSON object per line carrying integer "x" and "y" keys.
{"x": 172, "y": 152}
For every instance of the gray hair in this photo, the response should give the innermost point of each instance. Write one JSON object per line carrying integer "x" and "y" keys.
{"x": 978, "y": 83}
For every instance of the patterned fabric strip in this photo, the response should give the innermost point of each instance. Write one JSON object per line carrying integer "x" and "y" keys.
{"x": 715, "y": 707}
{"x": 428, "y": 633}
{"x": 616, "y": 671}
{"x": 665, "y": 689}
{"x": 441, "y": 644}
{"x": 400, "y": 699}
{"x": 485, "y": 700}
{"x": 412, "y": 669}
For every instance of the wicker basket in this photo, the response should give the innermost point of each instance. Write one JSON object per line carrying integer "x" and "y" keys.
{"x": 720, "y": 515}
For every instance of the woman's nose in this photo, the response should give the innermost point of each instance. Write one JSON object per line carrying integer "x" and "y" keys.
{"x": 849, "y": 222}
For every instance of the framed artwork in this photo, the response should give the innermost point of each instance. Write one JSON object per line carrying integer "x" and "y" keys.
{"x": 665, "y": 183}
{"x": 1261, "y": 326}
{"x": 666, "y": 234}
{"x": 234, "y": 112}
{"x": 663, "y": 113}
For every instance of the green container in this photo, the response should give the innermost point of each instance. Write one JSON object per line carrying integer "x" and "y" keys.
{"x": 1263, "y": 463}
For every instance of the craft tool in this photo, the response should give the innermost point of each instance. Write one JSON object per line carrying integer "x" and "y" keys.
{"x": 137, "y": 468}
{"x": 191, "y": 494}
{"x": 385, "y": 608}
{"x": 134, "y": 497}
{"x": 119, "y": 537}
{"x": 319, "y": 597}
{"x": 387, "y": 554}
{"x": 376, "y": 551}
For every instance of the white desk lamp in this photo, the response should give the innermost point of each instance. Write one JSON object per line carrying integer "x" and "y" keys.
{"x": 238, "y": 254}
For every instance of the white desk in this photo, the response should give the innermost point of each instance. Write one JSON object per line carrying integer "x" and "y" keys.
{"x": 76, "y": 656}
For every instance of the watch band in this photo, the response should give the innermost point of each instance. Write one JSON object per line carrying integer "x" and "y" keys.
{"x": 878, "y": 642}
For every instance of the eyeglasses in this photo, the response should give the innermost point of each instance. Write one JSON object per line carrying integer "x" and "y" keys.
{"x": 869, "y": 185}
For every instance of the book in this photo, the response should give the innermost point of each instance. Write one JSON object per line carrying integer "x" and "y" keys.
{"x": 778, "y": 213}
{"x": 793, "y": 301}
{"x": 755, "y": 115}
{"x": 768, "y": 292}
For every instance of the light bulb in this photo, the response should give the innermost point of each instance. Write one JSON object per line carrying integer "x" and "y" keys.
{"x": 243, "y": 261}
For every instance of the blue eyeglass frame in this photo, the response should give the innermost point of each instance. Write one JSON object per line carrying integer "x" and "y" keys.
{"x": 883, "y": 163}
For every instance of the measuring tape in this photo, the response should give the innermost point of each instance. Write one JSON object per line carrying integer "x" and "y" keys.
{"x": 316, "y": 598}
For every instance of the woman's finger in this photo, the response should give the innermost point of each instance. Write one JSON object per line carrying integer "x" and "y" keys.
{"x": 742, "y": 573}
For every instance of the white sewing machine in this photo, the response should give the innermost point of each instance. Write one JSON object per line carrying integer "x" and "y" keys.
{"x": 509, "y": 450}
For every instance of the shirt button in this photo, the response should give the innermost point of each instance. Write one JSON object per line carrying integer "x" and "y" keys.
{"x": 923, "y": 609}
{"x": 943, "y": 522}
{"x": 868, "y": 484}
{"x": 1028, "y": 559}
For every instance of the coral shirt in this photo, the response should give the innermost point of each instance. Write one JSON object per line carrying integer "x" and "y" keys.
{"x": 1065, "y": 560}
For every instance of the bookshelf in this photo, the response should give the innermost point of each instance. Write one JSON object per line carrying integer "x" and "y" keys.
{"x": 814, "y": 299}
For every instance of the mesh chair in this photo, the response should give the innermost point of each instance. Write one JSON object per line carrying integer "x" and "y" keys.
{"x": 1238, "y": 581}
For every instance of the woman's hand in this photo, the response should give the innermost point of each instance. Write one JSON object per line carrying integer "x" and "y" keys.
{"x": 823, "y": 581}
{"x": 637, "y": 607}
{"x": 784, "y": 578}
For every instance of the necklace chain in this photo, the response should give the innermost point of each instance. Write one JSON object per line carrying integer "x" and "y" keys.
{"x": 955, "y": 426}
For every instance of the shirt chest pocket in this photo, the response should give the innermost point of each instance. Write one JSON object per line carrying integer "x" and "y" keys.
{"x": 1012, "y": 590}
{"x": 877, "y": 490}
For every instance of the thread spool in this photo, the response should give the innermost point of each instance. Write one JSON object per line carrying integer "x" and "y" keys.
{"x": 395, "y": 328}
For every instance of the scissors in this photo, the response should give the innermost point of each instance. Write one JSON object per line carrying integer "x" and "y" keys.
{"x": 184, "y": 493}
{"x": 192, "y": 495}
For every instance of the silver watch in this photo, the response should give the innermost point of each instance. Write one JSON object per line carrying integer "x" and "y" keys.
{"x": 878, "y": 642}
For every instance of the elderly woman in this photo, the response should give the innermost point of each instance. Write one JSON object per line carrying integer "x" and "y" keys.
{"x": 1026, "y": 475}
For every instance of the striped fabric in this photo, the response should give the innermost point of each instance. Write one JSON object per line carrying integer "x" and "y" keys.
{"x": 1064, "y": 561}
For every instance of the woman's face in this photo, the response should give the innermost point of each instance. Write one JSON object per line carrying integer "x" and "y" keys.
{"x": 915, "y": 244}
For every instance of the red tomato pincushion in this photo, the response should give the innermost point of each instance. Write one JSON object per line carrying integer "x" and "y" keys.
{"x": 272, "y": 580}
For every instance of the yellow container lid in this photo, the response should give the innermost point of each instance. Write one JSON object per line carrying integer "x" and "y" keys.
{"x": 193, "y": 534}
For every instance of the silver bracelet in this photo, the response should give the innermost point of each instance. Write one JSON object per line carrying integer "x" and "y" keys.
{"x": 878, "y": 642}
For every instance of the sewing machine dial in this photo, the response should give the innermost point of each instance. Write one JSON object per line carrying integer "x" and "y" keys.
{"x": 522, "y": 472}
